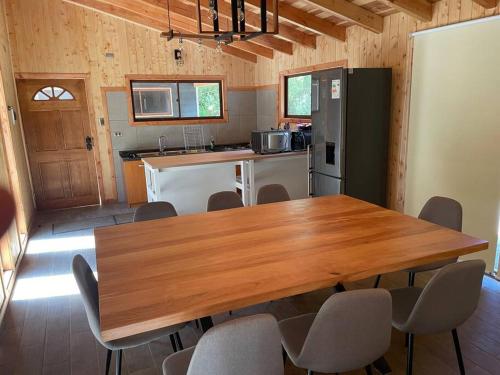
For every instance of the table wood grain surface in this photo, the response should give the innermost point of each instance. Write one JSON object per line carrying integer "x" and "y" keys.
{"x": 157, "y": 273}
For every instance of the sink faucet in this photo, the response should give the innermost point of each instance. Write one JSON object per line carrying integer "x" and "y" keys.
{"x": 162, "y": 143}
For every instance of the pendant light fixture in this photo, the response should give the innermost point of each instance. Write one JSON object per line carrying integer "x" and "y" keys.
{"x": 209, "y": 21}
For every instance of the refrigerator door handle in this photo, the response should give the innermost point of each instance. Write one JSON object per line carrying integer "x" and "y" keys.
{"x": 310, "y": 177}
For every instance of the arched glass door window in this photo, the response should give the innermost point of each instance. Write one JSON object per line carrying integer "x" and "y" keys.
{"x": 52, "y": 93}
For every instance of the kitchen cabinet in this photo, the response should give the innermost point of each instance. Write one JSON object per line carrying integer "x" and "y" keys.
{"x": 135, "y": 182}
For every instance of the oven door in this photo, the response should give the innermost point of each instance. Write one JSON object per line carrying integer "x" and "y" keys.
{"x": 277, "y": 142}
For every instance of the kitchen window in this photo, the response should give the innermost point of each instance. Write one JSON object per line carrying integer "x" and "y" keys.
{"x": 298, "y": 96}
{"x": 295, "y": 92}
{"x": 176, "y": 101}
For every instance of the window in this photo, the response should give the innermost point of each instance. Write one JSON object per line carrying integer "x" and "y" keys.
{"x": 176, "y": 100}
{"x": 52, "y": 93}
{"x": 153, "y": 100}
{"x": 298, "y": 96}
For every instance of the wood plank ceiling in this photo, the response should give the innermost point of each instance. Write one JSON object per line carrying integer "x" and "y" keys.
{"x": 301, "y": 21}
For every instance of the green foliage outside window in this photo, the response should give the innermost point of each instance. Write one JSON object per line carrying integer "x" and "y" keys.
{"x": 208, "y": 100}
{"x": 298, "y": 96}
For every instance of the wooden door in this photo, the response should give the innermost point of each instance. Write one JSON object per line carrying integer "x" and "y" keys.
{"x": 59, "y": 142}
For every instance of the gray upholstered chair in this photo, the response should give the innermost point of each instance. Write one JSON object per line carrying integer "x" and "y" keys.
{"x": 447, "y": 301}
{"x": 89, "y": 290}
{"x": 244, "y": 346}
{"x": 350, "y": 331}
{"x": 154, "y": 210}
{"x": 272, "y": 193}
{"x": 442, "y": 211}
{"x": 224, "y": 200}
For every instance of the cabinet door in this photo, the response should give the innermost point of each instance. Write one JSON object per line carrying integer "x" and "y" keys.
{"x": 135, "y": 182}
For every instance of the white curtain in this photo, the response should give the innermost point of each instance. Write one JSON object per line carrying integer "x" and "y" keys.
{"x": 454, "y": 133}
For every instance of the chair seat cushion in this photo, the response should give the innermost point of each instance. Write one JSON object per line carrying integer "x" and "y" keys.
{"x": 294, "y": 332}
{"x": 403, "y": 301}
{"x": 142, "y": 338}
{"x": 178, "y": 363}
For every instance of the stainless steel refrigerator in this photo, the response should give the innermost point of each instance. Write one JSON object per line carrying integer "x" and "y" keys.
{"x": 350, "y": 114}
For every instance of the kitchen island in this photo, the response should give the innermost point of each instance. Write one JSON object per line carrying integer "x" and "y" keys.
{"x": 187, "y": 181}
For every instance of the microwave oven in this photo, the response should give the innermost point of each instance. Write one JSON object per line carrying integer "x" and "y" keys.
{"x": 271, "y": 141}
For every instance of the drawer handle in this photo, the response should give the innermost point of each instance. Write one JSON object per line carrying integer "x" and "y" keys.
{"x": 140, "y": 165}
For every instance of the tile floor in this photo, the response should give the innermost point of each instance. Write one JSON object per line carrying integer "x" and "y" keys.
{"x": 45, "y": 330}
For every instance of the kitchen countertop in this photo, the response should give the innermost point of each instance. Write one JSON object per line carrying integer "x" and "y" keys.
{"x": 211, "y": 158}
{"x": 132, "y": 155}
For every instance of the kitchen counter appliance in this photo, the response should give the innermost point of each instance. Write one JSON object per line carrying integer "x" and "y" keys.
{"x": 271, "y": 141}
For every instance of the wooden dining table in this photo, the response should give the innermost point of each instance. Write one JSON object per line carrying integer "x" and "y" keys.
{"x": 157, "y": 273}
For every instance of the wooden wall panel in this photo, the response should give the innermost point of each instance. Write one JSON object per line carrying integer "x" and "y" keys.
{"x": 392, "y": 49}
{"x": 15, "y": 157}
{"x": 49, "y": 36}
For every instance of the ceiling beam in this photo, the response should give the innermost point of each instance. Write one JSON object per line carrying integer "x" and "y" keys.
{"x": 420, "y": 9}
{"x": 351, "y": 12}
{"x": 305, "y": 20}
{"x": 488, "y": 4}
{"x": 186, "y": 11}
{"x": 146, "y": 17}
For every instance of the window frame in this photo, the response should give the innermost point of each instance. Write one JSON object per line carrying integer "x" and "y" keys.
{"x": 285, "y": 97}
{"x": 165, "y": 114}
{"x": 282, "y": 94}
{"x": 178, "y": 79}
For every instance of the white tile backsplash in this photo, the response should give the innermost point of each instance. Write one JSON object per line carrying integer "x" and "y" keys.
{"x": 243, "y": 118}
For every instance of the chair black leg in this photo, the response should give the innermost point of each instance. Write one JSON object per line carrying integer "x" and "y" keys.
{"x": 411, "y": 278}
{"x": 119, "y": 362}
{"x": 283, "y": 351}
{"x": 309, "y": 372}
{"x": 108, "y": 360}
{"x": 178, "y": 340}
{"x": 172, "y": 342}
{"x": 377, "y": 281}
{"x": 368, "y": 370}
{"x": 409, "y": 363}
{"x": 406, "y": 340}
{"x": 458, "y": 351}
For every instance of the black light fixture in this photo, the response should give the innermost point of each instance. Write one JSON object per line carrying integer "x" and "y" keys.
{"x": 237, "y": 22}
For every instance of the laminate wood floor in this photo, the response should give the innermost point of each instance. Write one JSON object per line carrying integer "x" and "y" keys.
{"x": 45, "y": 330}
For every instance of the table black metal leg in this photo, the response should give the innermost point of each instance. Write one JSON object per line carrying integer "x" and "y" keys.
{"x": 206, "y": 323}
{"x": 382, "y": 366}
{"x": 340, "y": 288}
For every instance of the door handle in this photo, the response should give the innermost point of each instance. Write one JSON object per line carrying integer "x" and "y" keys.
{"x": 89, "y": 143}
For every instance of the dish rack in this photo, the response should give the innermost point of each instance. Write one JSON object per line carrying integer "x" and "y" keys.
{"x": 193, "y": 137}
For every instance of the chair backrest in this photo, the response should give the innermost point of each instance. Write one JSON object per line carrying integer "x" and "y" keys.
{"x": 272, "y": 193}
{"x": 154, "y": 210}
{"x": 448, "y": 299}
{"x": 351, "y": 330}
{"x": 443, "y": 211}
{"x": 244, "y": 346}
{"x": 224, "y": 200}
{"x": 87, "y": 284}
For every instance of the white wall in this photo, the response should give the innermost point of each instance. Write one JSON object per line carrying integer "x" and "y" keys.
{"x": 454, "y": 135}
